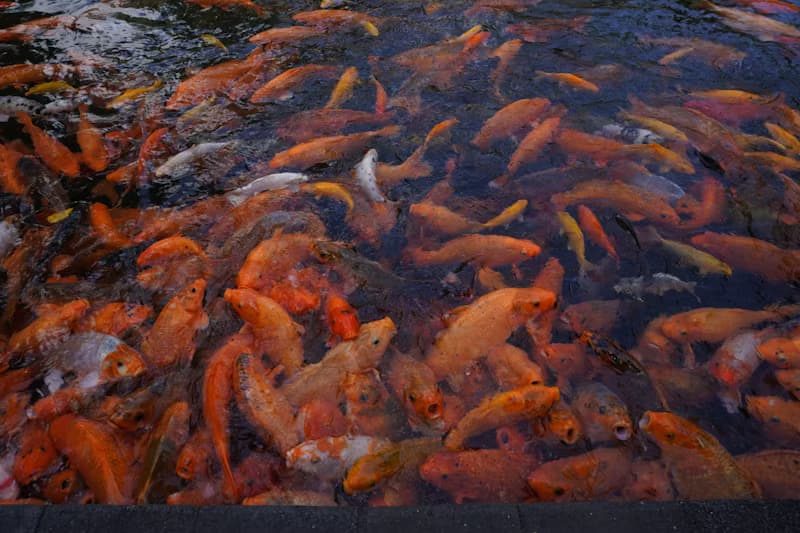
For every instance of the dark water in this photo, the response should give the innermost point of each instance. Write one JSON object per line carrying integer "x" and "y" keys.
{"x": 138, "y": 43}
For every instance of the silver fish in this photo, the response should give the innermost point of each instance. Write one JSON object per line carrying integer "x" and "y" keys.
{"x": 365, "y": 175}
{"x": 177, "y": 162}
{"x": 670, "y": 191}
{"x": 330, "y": 457}
{"x": 630, "y": 135}
{"x": 659, "y": 284}
{"x": 11, "y": 105}
{"x": 270, "y": 182}
{"x": 9, "y": 237}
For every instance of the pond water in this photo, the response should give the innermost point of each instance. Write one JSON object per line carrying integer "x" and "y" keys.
{"x": 398, "y": 253}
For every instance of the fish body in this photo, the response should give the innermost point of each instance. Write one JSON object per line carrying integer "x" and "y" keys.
{"x": 55, "y": 155}
{"x": 511, "y": 367}
{"x": 531, "y": 146}
{"x": 485, "y": 323}
{"x": 562, "y": 423}
{"x": 322, "y": 380}
{"x": 703, "y": 261}
{"x": 734, "y": 363}
{"x": 93, "y": 450}
{"x": 570, "y": 228}
{"x": 178, "y": 163}
{"x": 713, "y": 324}
{"x": 441, "y": 220}
{"x": 701, "y": 467}
{"x": 169, "y": 435}
{"x": 780, "y": 419}
{"x": 659, "y": 284}
{"x": 329, "y": 458}
{"x": 789, "y": 380}
{"x": 343, "y": 89}
{"x": 509, "y": 120}
{"x": 282, "y": 86}
{"x": 171, "y": 339}
{"x": 777, "y": 472}
{"x": 415, "y": 385}
{"x": 365, "y": 176}
{"x": 483, "y": 250}
{"x": 502, "y": 409}
{"x": 270, "y": 182}
{"x": 325, "y": 149}
{"x": 621, "y": 196}
{"x": 480, "y": 475}
{"x": 592, "y": 227}
{"x": 264, "y": 406}
{"x": 753, "y": 255}
{"x": 93, "y": 149}
{"x": 781, "y": 352}
{"x": 48, "y": 330}
{"x": 393, "y": 460}
{"x": 570, "y": 80}
{"x": 274, "y": 331}
{"x": 764, "y": 28}
{"x": 590, "y": 476}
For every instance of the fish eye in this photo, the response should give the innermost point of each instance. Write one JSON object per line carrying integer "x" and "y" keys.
{"x": 444, "y": 476}
{"x": 671, "y": 436}
{"x": 775, "y": 419}
{"x": 602, "y": 409}
{"x": 558, "y": 491}
{"x": 683, "y": 332}
{"x": 536, "y": 303}
{"x": 433, "y": 408}
{"x": 65, "y": 484}
{"x": 663, "y": 215}
{"x": 375, "y": 341}
{"x": 412, "y": 397}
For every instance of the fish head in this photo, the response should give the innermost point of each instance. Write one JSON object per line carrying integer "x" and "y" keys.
{"x": 603, "y": 408}
{"x": 549, "y": 485}
{"x": 364, "y": 390}
{"x": 191, "y": 297}
{"x": 424, "y": 404}
{"x": 530, "y": 249}
{"x": 123, "y": 361}
{"x": 677, "y": 328}
{"x": 778, "y": 352}
{"x": 562, "y": 423}
{"x": 443, "y": 470}
{"x": 132, "y": 412}
{"x": 669, "y": 430}
{"x": 377, "y": 333}
{"x": 766, "y": 408}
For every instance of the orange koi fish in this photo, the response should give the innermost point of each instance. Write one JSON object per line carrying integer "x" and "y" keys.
{"x": 780, "y": 352}
{"x": 171, "y": 339}
{"x": 168, "y": 249}
{"x": 322, "y": 380}
{"x": 321, "y": 418}
{"x": 480, "y": 475}
{"x": 342, "y": 317}
{"x": 217, "y": 395}
{"x": 733, "y": 363}
{"x": 775, "y": 471}
{"x": 502, "y": 409}
{"x": 531, "y": 146}
{"x": 483, "y": 250}
{"x": 604, "y": 417}
{"x": 274, "y": 331}
{"x": 712, "y": 324}
{"x": 620, "y": 196}
{"x": 590, "y": 476}
{"x": 505, "y": 53}
{"x": 282, "y": 86}
{"x": 561, "y": 423}
{"x": 753, "y": 255}
{"x": 11, "y": 180}
{"x": 344, "y": 88}
{"x": 509, "y": 120}
{"x": 47, "y": 330}
{"x": 169, "y": 435}
{"x": 229, "y": 4}
{"x": 485, "y": 323}
{"x": 62, "y": 486}
{"x": 389, "y": 461}
{"x": 290, "y": 34}
{"x": 93, "y": 450}
{"x": 93, "y": 148}
{"x": 711, "y": 208}
{"x": 55, "y": 155}
{"x": 540, "y": 330}
{"x": 103, "y": 225}
{"x": 25, "y": 73}
{"x": 414, "y": 384}
{"x": 336, "y": 18}
{"x": 789, "y": 380}
{"x": 310, "y": 124}
{"x": 701, "y": 467}
{"x": 264, "y": 406}
{"x": 273, "y": 259}
{"x": 571, "y": 80}
{"x": 780, "y": 418}
{"x": 595, "y": 315}
{"x": 36, "y": 455}
{"x": 325, "y": 149}
{"x": 649, "y": 482}
{"x": 543, "y": 29}
{"x": 511, "y": 367}
{"x": 194, "y": 458}
{"x": 591, "y": 226}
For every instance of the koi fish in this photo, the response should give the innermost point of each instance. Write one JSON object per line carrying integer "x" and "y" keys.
{"x": 171, "y": 339}
{"x": 712, "y": 324}
{"x": 325, "y": 149}
{"x": 789, "y": 380}
{"x": 530, "y": 147}
{"x": 484, "y": 250}
{"x": 595, "y": 315}
{"x": 36, "y": 456}
{"x": 365, "y": 176}
{"x": 764, "y": 28}
{"x": 502, "y": 409}
{"x": 281, "y": 87}
{"x": 274, "y": 331}
{"x": 48, "y": 330}
{"x": 93, "y": 450}
{"x": 620, "y": 196}
{"x": 321, "y": 380}
{"x": 701, "y": 467}
{"x": 55, "y": 155}
{"x": 540, "y": 330}
{"x": 485, "y": 323}
{"x": 589, "y": 476}
{"x": 780, "y": 419}
{"x": 775, "y": 471}
{"x": 704, "y": 262}
{"x": 264, "y": 406}
{"x": 330, "y": 458}
{"x": 133, "y": 94}
{"x": 659, "y": 284}
{"x": 392, "y": 460}
{"x": 344, "y": 88}
{"x": 229, "y": 4}
{"x": 603, "y": 416}
{"x": 178, "y": 163}
{"x": 733, "y": 364}
{"x": 480, "y": 475}
{"x": 571, "y": 80}
{"x": 169, "y": 435}
{"x": 780, "y": 352}
{"x": 290, "y": 34}
{"x": 511, "y": 367}
{"x": 570, "y": 228}
{"x": 561, "y": 422}
{"x": 509, "y": 120}
{"x": 753, "y": 255}
{"x": 414, "y": 384}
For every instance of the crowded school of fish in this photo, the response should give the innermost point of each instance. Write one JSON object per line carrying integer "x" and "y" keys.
{"x": 393, "y": 294}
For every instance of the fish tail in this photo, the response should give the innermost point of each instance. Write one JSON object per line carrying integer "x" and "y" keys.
{"x": 499, "y": 181}
{"x": 650, "y": 235}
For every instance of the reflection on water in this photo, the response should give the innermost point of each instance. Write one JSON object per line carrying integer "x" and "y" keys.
{"x": 395, "y": 253}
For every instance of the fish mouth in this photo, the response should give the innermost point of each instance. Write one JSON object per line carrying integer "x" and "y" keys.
{"x": 570, "y": 437}
{"x": 622, "y": 432}
{"x": 644, "y": 422}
